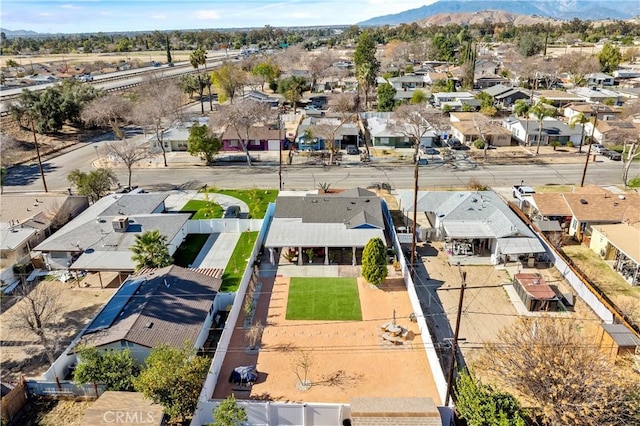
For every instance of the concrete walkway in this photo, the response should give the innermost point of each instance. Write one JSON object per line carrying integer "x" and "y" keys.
{"x": 217, "y": 251}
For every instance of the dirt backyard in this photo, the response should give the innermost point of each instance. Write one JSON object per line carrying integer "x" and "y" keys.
{"x": 347, "y": 358}
{"x": 21, "y": 351}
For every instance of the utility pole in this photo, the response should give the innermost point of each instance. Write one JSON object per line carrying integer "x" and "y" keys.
{"x": 35, "y": 141}
{"x": 454, "y": 342}
{"x": 586, "y": 163}
{"x": 279, "y": 149}
{"x": 415, "y": 210}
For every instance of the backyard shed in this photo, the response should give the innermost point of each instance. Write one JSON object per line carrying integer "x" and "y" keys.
{"x": 535, "y": 293}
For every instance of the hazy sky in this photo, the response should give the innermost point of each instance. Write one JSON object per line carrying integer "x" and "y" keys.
{"x": 56, "y": 16}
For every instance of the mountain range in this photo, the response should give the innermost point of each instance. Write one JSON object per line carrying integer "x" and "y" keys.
{"x": 558, "y": 9}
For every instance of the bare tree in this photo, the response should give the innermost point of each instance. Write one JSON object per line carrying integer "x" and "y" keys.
{"x": 128, "y": 154}
{"x": 111, "y": 110}
{"x": 241, "y": 117}
{"x": 38, "y": 312}
{"x": 482, "y": 125}
{"x": 578, "y": 65}
{"x": 563, "y": 372}
{"x": 630, "y": 153}
{"x": 290, "y": 58}
{"x": 253, "y": 334}
{"x": 301, "y": 366}
{"x": 318, "y": 66}
{"x": 160, "y": 106}
{"x": 414, "y": 121}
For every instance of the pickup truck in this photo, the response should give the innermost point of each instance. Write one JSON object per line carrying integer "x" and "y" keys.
{"x": 520, "y": 191}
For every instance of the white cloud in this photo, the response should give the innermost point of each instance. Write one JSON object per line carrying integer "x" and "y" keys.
{"x": 69, "y": 6}
{"x": 158, "y": 16}
{"x": 207, "y": 14}
{"x": 45, "y": 14}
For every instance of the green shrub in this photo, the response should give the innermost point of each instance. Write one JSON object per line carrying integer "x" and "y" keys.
{"x": 479, "y": 144}
{"x": 570, "y": 144}
{"x": 634, "y": 182}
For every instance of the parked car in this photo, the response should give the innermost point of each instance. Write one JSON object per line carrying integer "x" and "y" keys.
{"x": 352, "y": 150}
{"x": 429, "y": 151}
{"x": 598, "y": 148}
{"x": 232, "y": 212}
{"x": 613, "y": 155}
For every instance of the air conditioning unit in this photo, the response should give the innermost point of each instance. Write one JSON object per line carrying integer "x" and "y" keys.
{"x": 120, "y": 223}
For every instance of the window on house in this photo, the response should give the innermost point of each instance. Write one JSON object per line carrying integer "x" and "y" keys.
{"x": 234, "y": 143}
{"x": 254, "y": 142}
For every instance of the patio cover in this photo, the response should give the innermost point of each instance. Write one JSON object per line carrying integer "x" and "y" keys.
{"x": 519, "y": 245}
{"x": 467, "y": 230}
{"x": 291, "y": 232}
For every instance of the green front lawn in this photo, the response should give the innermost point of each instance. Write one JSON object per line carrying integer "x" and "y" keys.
{"x": 238, "y": 262}
{"x": 327, "y": 299}
{"x": 204, "y": 209}
{"x": 257, "y": 199}
{"x": 189, "y": 249}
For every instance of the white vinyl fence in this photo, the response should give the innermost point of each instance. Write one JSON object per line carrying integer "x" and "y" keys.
{"x": 217, "y": 226}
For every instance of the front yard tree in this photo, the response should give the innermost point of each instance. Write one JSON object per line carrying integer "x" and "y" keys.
{"x": 150, "y": 250}
{"x": 229, "y": 413}
{"x": 96, "y": 184}
{"x": 609, "y": 58}
{"x": 541, "y": 110}
{"x": 113, "y": 368}
{"x": 630, "y": 153}
{"x": 481, "y": 405}
{"x": 228, "y": 78}
{"x": 200, "y": 143}
{"x": 241, "y": 117}
{"x": 128, "y": 154}
{"x": 366, "y": 63}
{"x": 173, "y": 377}
{"x": 292, "y": 89}
{"x": 197, "y": 58}
{"x": 374, "y": 262}
{"x": 345, "y": 107}
{"x": 112, "y": 110}
{"x": 38, "y": 312}
{"x": 267, "y": 71}
{"x": 160, "y": 106}
{"x": 563, "y": 372}
{"x": 581, "y": 119}
{"x": 386, "y": 93}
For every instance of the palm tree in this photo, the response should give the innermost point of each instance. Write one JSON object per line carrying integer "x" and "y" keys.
{"x": 541, "y": 110}
{"x": 580, "y": 119}
{"x": 522, "y": 108}
{"x": 150, "y": 250}
{"x": 196, "y": 58}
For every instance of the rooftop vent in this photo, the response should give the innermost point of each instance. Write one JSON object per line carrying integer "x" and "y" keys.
{"x": 149, "y": 324}
{"x": 583, "y": 201}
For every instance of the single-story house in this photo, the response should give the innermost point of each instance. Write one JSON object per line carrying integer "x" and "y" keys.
{"x": 535, "y": 293}
{"x": 441, "y": 98}
{"x": 100, "y": 238}
{"x": 526, "y": 131}
{"x": 617, "y": 340}
{"x": 619, "y": 244}
{"x": 382, "y": 131}
{"x": 432, "y": 78}
{"x": 334, "y": 228}
{"x": 484, "y": 80}
{"x": 469, "y": 131}
{"x": 599, "y": 79}
{"x": 261, "y": 138}
{"x": 407, "y": 82}
{"x": 27, "y": 220}
{"x": 485, "y": 66}
{"x": 557, "y": 98}
{"x": 614, "y": 131}
{"x": 596, "y": 94}
{"x": 473, "y": 225}
{"x": 166, "y": 306}
{"x": 603, "y": 112}
{"x": 347, "y": 133}
{"x": 257, "y": 96}
{"x": 175, "y": 138}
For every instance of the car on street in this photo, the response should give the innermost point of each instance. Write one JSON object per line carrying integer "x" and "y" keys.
{"x": 598, "y": 148}
{"x": 232, "y": 212}
{"x": 613, "y": 155}
{"x": 352, "y": 150}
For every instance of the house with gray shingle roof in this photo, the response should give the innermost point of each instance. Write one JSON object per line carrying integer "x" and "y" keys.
{"x": 100, "y": 238}
{"x": 167, "y": 306}
{"x": 335, "y": 226}
{"x": 476, "y": 226}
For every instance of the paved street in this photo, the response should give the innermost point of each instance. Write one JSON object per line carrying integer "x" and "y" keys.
{"x": 25, "y": 178}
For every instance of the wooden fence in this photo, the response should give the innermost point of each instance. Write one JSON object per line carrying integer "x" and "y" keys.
{"x": 14, "y": 401}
